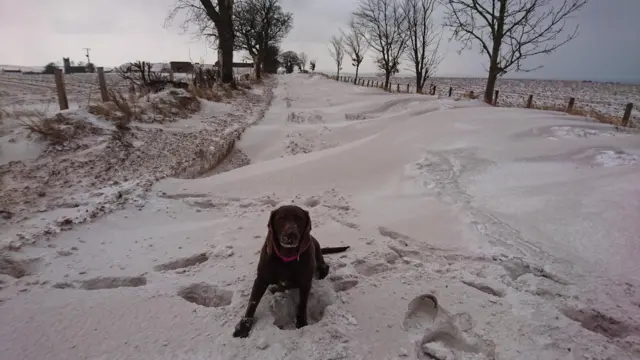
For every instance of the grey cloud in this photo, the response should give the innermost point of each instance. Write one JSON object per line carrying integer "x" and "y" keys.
{"x": 120, "y": 30}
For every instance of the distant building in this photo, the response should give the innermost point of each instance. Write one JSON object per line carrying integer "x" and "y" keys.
{"x": 181, "y": 66}
{"x": 68, "y": 69}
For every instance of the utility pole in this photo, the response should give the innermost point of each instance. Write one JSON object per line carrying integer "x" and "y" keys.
{"x": 88, "y": 58}
{"x": 89, "y": 66}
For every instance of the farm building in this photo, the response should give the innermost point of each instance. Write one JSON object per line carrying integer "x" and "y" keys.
{"x": 181, "y": 66}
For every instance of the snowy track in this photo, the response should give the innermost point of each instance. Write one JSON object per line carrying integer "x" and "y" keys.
{"x": 517, "y": 222}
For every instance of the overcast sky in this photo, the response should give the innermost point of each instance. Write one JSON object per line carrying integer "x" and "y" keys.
{"x": 35, "y": 32}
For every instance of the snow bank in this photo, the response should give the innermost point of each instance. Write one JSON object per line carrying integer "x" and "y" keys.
{"x": 473, "y": 236}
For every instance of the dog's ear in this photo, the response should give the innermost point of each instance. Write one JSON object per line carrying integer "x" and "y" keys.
{"x": 271, "y": 234}
{"x": 306, "y": 235}
{"x": 307, "y": 229}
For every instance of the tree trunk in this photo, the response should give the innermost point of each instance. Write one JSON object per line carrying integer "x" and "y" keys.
{"x": 257, "y": 67}
{"x": 494, "y": 66}
{"x": 419, "y": 82}
{"x": 355, "y": 81}
{"x": 387, "y": 79}
{"x": 225, "y": 40}
{"x": 225, "y": 56}
{"x": 338, "y": 74}
{"x": 491, "y": 85}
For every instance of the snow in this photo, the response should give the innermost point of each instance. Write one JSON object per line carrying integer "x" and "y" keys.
{"x": 475, "y": 233}
{"x": 606, "y": 98}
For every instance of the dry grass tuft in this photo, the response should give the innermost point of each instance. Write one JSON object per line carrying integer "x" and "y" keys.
{"x": 588, "y": 113}
{"x": 47, "y": 129}
{"x": 127, "y": 109}
{"x": 471, "y": 95}
{"x": 56, "y": 130}
{"x": 596, "y": 115}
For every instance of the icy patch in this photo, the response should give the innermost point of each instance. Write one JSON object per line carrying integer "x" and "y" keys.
{"x": 609, "y": 158}
{"x": 570, "y": 132}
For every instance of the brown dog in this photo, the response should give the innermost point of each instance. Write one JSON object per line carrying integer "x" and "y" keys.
{"x": 289, "y": 258}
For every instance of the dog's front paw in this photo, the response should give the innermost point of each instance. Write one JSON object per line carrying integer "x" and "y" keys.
{"x": 323, "y": 271}
{"x": 243, "y": 328}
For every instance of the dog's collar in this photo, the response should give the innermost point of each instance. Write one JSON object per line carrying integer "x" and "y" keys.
{"x": 290, "y": 258}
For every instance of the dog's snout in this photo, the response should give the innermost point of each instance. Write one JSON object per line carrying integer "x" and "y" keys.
{"x": 291, "y": 235}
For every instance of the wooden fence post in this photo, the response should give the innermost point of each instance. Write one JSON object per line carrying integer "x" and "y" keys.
{"x": 434, "y": 89}
{"x": 572, "y": 101}
{"x": 530, "y": 101}
{"x": 104, "y": 94}
{"x": 398, "y": 87}
{"x": 450, "y": 91}
{"x": 627, "y": 114}
{"x": 495, "y": 97}
{"x": 407, "y": 88}
{"x": 62, "y": 92}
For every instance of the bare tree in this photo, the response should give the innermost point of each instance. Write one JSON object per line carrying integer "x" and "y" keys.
{"x": 213, "y": 22}
{"x": 289, "y": 60}
{"x": 336, "y": 50}
{"x": 384, "y": 22}
{"x": 138, "y": 73}
{"x": 259, "y": 24}
{"x": 355, "y": 45}
{"x": 510, "y": 31}
{"x": 303, "y": 60}
{"x": 424, "y": 40}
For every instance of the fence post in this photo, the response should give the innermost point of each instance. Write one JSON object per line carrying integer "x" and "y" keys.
{"x": 450, "y": 91}
{"x": 62, "y": 92}
{"x": 407, "y": 88}
{"x": 398, "y": 87}
{"x": 434, "y": 89}
{"x": 627, "y": 114}
{"x": 572, "y": 101}
{"x": 104, "y": 94}
{"x": 495, "y": 97}
{"x": 530, "y": 102}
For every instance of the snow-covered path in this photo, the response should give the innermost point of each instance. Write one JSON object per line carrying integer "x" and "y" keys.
{"x": 523, "y": 224}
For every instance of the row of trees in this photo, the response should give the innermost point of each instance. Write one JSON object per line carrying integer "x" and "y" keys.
{"x": 254, "y": 26}
{"x": 392, "y": 29}
{"x": 507, "y": 32}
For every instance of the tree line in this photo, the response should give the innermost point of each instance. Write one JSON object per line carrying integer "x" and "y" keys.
{"x": 254, "y": 26}
{"x": 507, "y": 32}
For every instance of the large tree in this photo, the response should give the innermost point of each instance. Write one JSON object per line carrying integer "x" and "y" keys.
{"x": 424, "y": 40}
{"x": 336, "y": 50}
{"x": 258, "y": 25}
{"x": 355, "y": 45}
{"x": 271, "y": 59}
{"x": 213, "y": 22}
{"x": 289, "y": 59}
{"x": 303, "y": 60}
{"x": 384, "y": 24}
{"x": 510, "y": 31}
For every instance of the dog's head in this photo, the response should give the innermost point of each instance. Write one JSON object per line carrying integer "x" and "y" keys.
{"x": 289, "y": 227}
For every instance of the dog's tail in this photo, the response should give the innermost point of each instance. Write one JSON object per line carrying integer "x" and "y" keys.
{"x": 334, "y": 250}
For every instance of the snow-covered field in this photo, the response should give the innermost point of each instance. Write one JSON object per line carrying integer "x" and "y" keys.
{"x": 521, "y": 223}
{"x": 38, "y": 91}
{"x": 606, "y": 98}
